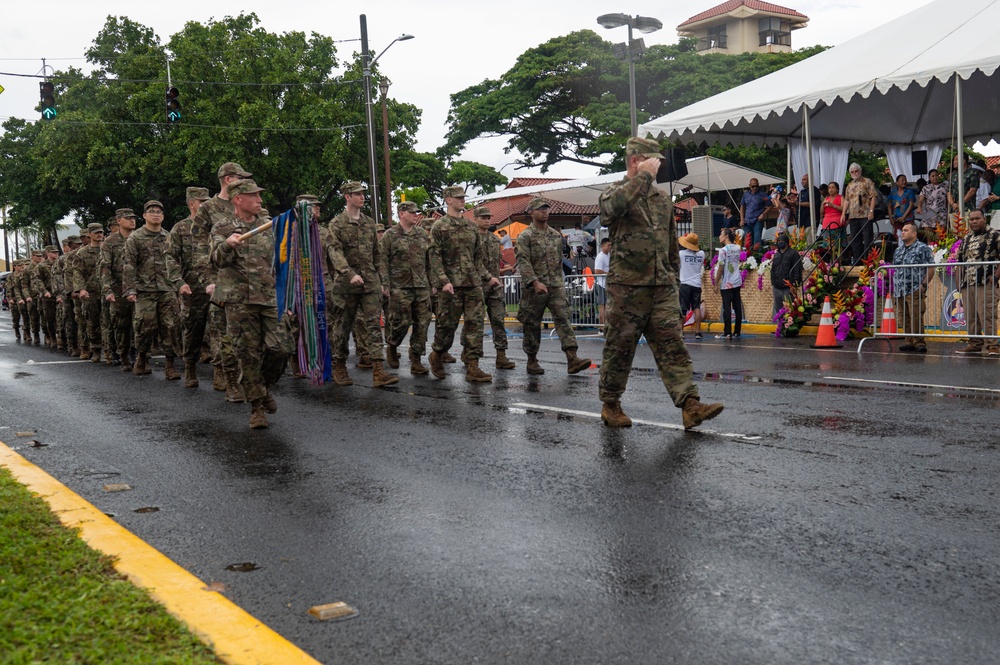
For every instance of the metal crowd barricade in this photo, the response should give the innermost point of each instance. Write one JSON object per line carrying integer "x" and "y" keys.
{"x": 944, "y": 310}
{"x": 583, "y": 295}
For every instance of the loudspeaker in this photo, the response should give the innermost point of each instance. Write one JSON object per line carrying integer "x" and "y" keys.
{"x": 673, "y": 167}
{"x": 919, "y": 162}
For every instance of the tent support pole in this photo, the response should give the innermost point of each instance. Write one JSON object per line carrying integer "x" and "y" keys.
{"x": 809, "y": 169}
{"x": 960, "y": 147}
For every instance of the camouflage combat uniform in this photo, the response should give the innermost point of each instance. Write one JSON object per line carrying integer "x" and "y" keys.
{"x": 16, "y": 284}
{"x": 195, "y": 307}
{"x": 457, "y": 256}
{"x": 11, "y": 293}
{"x": 71, "y": 302}
{"x": 642, "y": 289}
{"x": 150, "y": 274}
{"x": 245, "y": 288}
{"x": 58, "y": 268}
{"x": 41, "y": 283}
{"x": 87, "y": 277}
{"x": 28, "y": 289}
{"x": 539, "y": 257}
{"x": 112, "y": 283}
{"x": 403, "y": 270}
{"x": 351, "y": 248}
{"x": 493, "y": 296}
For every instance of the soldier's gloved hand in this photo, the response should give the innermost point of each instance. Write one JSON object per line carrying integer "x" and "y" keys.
{"x": 539, "y": 287}
{"x": 185, "y": 290}
{"x": 110, "y": 297}
{"x": 130, "y": 298}
{"x": 357, "y": 280}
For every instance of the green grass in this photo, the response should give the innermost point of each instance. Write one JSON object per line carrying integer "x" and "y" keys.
{"x": 61, "y": 602}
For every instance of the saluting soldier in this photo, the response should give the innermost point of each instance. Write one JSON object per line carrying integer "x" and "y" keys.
{"x": 458, "y": 270}
{"x": 351, "y": 250}
{"x": 404, "y": 250}
{"x": 496, "y": 306}
{"x": 152, "y": 281}
{"x": 194, "y": 308}
{"x": 113, "y": 286}
{"x": 87, "y": 283}
{"x": 246, "y": 289}
{"x": 642, "y": 289}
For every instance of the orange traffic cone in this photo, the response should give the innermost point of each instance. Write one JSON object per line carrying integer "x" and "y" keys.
{"x": 826, "y": 337}
{"x": 888, "y": 318}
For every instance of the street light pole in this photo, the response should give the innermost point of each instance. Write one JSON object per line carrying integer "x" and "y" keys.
{"x": 366, "y": 62}
{"x": 383, "y": 87}
{"x": 631, "y": 83}
{"x": 633, "y": 48}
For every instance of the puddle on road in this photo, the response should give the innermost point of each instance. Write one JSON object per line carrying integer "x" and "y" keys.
{"x": 852, "y": 425}
{"x": 22, "y": 375}
{"x": 246, "y": 567}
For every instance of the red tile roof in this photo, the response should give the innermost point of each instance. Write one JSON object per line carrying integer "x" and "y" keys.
{"x": 733, "y": 5}
{"x": 532, "y": 182}
{"x": 504, "y": 209}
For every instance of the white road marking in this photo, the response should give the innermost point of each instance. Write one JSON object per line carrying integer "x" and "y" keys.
{"x": 55, "y": 362}
{"x": 912, "y": 385}
{"x": 637, "y": 421}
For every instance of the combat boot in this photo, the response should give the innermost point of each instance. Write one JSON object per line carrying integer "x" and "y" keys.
{"x": 84, "y": 354}
{"x": 502, "y": 360}
{"x": 17, "y": 333}
{"x": 95, "y": 355}
{"x": 380, "y": 377}
{"x": 340, "y": 375}
{"x": 437, "y": 365}
{"x": 392, "y": 356}
{"x": 139, "y": 369}
{"x": 364, "y": 362}
{"x": 190, "y": 375}
{"x": 533, "y": 366}
{"x": 574, "y": 364}
{"x": 296, "y": 370}
{"x": 257, "y": 418}
{"x": 695, "y": 413}
{"x": 448, "y": 358}
{"x": 475, "y": 375}
{"x": 36, "y": 339}
{"x": 269, "y": 404}
{"x": 126, "y": 364}
{"x": 416, "y": 367}
{"x": 170, "y": 371}
{"x": 116, "y": 359}
{"x": 108, "y": 358}
{"x": 218, "y": 378}
{"x": 613, "y": 416}
{"x": 234, "y": 394}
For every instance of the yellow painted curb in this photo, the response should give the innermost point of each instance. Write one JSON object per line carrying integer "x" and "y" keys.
{"x": 235, "y": 636}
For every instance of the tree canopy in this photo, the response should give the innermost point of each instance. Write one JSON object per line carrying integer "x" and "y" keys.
{"x": 567, "y": 99}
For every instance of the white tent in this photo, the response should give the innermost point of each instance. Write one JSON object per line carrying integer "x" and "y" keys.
{"x": 923, "y": 80}
{"x": 705, "y": 174}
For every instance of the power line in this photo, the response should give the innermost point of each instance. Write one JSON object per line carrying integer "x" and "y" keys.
{"x": 193, "y": 126}
{"x": 104, "y": 79}
{"x": 186, "y": 53}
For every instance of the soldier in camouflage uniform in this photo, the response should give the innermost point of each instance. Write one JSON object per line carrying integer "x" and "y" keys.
{"x": 539, "y": 256}
{"x": 225, "y": 376}
{"x": 32, "y": 299}
{"x": 71, "y": 302}
{"x": 12, "y": 295}
{"x": 195, "y": 307}
{"x": 87, "y": 283}
{"x": 45, "y": 292}
{"x": 113, "y": 289}
{"x": 152, "y": 281}
{"x": 246, "y": 289}
{"x": 458, "y": 270}
{"x": 403, "y": 272}
{"x": 354, "y": 289}
{"x": 16, "y": 297}
{"x": 81, "y": 320}
{"x": 642, "y": 285}
{"x": 58, "y": 268}
{"x": 108, "y": 341}
{"x": 496, "y": 306}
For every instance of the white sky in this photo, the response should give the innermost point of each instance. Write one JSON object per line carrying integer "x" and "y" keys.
{"x": 457, "y": 44}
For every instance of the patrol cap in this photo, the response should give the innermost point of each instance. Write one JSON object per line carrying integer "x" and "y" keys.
{"x": 112, "y": 222}
{"x": 311, "y": 198}
{"x": 537, "y": 203}
{"x": 242, "y": 187}
{"x": 95, "y": 227}
{"x": 352, "y": 187}
{"x": 408, "y": 206}
{"x": 37, "y": 252}
{"x": 232, "y": 168}
{"x": 73, "y": 240}
{"x": 50, "y": 248}
{"x": 196, "y": 194}
{"x": 456, "y": 191}
{"x": 644, "y": 147}
{"x": 483, "y": 211}
{"x": 125, "y": 212}
{"x": 380, "y": 228}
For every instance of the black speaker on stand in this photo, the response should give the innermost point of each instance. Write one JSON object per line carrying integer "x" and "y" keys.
{"x": 919, "y": 162}
{"x": 673, "y": 167}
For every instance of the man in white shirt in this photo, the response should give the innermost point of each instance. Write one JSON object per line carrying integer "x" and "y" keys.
{"x": 505, "y": 241}
{"x": 601, "y": 265}
{"x": 692, "y": 265}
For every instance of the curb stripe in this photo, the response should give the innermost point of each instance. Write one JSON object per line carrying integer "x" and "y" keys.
{"x": 235, "y": 636}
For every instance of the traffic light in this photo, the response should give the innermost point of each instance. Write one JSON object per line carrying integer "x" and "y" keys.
{"x": 47, "y": 98}
{"x": 173, "y": 106}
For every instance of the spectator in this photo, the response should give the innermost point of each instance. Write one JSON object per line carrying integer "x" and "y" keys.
{"x": 692, "y": 266}
{"x": 784, "y": 215}
{"x": 729, "y": 281}
{"x": 979, "y": 285}
{"x": 994, "y": 198}
{"x": 986, "y": 181}
{"x": 579, "y": 241}
{"x": 601, "y": 265}
{"x": 860, "y": 197}
{"x": 505, "y": 241}
{"x": 909, "y": 286}
{"x": 932, "y": 204}
{"x": 902, "y": 202}
{"x": 786, "y": 271}
{"x": 833, "y": 223}
{"x": 807, "y": 194}
{"x": 971, "y": 184}
{"x": 729, "y": 219}
{"x": 753, "y": 206}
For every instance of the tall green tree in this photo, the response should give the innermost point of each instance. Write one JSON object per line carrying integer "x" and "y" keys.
{"x": 567, "y": 99}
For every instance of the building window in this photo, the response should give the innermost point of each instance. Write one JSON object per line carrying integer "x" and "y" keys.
{"x": 716, "y": 38}
{"x": 775, "y": 31}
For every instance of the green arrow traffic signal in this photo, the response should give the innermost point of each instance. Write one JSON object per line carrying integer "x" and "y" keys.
{"x": 173, "y": 105}
{"x": 47, "y": 98}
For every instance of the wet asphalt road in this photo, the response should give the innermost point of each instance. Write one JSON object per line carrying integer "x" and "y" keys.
{"x": 826, "y": 521}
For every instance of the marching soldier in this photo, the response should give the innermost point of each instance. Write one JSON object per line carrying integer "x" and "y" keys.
{"x": 20, "y": 305}
{"x": 71, "y": 302}
{"x": 195, "y": 307}
{"x": 43, "y": 288}
{"x": 496, "y": 307}
{"x": 11, "y": 292}
{"x": 539, "y": 256}
{"x": 33, "y": 299}
{"x": 87, "y": 283}
{"x": 403, "y": 271}
{"x": 108, "y": 340}
{"x": 58, "y": 270}
{"x": 112, "y": 286}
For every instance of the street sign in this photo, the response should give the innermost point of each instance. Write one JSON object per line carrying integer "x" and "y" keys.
{"x": 1, "y": 88}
